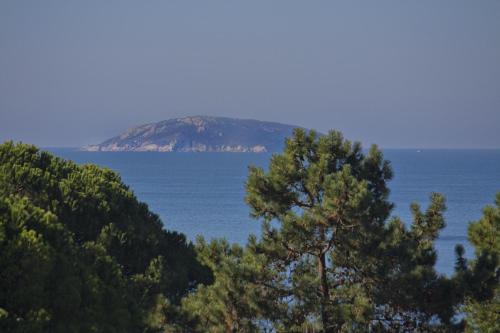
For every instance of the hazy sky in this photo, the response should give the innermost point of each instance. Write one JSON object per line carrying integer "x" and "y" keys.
{"x": 397, "y": 73}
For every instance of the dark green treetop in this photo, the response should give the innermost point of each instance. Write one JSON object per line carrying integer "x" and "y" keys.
{"x": 480, "y": 277}
{"x": 324, "y": 205}
{"x": 79, "y": 253}
{"x": 329, "y": 258}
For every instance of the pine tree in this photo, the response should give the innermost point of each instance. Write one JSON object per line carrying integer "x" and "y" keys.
{"x": 481, "y": 277}
{"x": 79, "y": 252}
{"x": 324, "y": 206}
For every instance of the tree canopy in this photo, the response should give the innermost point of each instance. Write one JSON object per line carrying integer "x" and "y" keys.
{"x": 330, "y": 257}
{"x": 330, "y": 205}
{"x": 480, "y": 277}
{"x": 79, "y": 253}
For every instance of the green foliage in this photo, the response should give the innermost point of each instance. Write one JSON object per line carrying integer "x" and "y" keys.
{"x": 328, "y": 260}
{"x": 485, "y": 233}
{"x": 79, "y": 253}
{"x": 481, "y": 277}
{"x": 232, "y": 303}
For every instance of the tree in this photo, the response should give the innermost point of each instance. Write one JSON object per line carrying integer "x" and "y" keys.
{"x": 324, "y": 206}
{"x": 480, "y": 278}
{"x": 79, "y": 252}
{"x": 235, "y": 302}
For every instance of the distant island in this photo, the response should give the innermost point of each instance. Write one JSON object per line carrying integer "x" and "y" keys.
{"x": 200, "y": 134}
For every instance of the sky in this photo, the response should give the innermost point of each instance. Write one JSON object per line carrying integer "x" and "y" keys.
{"x": 401, "y": 74}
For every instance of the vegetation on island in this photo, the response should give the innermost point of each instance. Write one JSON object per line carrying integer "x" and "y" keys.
{"x": 79, "y": 253}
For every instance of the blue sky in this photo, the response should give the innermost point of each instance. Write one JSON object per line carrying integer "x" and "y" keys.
{"x": 420, "y": 74}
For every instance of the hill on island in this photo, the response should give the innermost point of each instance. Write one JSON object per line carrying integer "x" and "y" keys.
{"x": 200, "y": 134}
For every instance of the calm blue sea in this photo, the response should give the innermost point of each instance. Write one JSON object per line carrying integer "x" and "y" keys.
{"x": 202, "y": 194}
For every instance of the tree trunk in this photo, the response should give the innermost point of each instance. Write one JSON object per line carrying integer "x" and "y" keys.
{"x": 325, "y": 295}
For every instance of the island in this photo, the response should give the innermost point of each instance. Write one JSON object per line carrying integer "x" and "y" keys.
{"x": 200, "y": 134}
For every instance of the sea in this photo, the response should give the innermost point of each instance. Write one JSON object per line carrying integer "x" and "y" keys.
{"x": 203, "y": 193}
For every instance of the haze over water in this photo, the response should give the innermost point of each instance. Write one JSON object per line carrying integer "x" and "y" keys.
{"x": 203, "y": 194}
